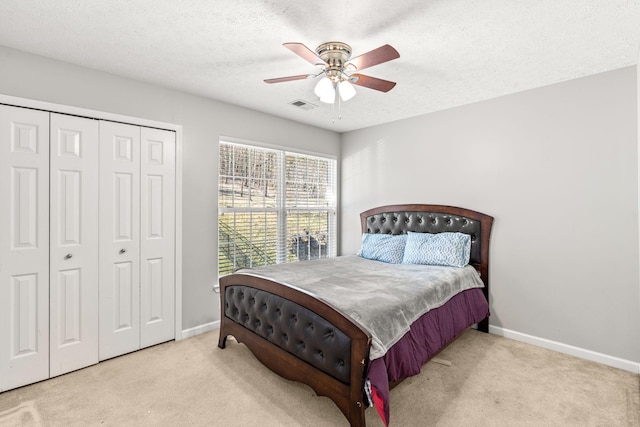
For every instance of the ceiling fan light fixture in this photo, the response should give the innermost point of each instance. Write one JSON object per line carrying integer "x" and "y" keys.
{"x": 325, "y": 90}
{"x": 346, "y": 90}
{"x": 336, "y": 85}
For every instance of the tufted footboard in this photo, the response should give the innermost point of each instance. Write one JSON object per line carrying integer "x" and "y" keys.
{"x": 298, "y": 337}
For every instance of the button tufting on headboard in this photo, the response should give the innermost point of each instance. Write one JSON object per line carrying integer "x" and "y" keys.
{"x": 427, "y": 222}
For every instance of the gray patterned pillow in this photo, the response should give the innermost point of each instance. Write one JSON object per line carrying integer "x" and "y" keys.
{"x": 448, "y": 249}
{"x": 383, "y": 247}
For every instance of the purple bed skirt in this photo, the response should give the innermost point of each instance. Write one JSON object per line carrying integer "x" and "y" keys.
{"x": 427, "y": 336}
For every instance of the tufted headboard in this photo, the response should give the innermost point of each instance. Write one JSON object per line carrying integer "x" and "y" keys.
{"x": 399, "y": 219}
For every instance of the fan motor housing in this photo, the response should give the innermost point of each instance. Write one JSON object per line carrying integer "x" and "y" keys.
{"x": 335, "y": 54}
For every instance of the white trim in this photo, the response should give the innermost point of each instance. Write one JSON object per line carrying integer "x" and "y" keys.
{"x": 84, "y": 112}
{"x": 269, "y": 146}
{"x": 197, "y": 330}
{"x": 582, "y": 353}
{"x": 178, "y": 233}
{"x": 638, "y": 169}
{"x": 101, "y": 115}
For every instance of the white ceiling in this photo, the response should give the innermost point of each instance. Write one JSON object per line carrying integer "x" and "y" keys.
{"x": 452, "y": 52}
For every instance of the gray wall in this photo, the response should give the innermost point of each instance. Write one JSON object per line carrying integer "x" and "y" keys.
{"x": 557, "y": 167}
{"x": 203, "y": 121}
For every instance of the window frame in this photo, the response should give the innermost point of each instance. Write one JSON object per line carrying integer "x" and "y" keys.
{"x": 282, "y": 210}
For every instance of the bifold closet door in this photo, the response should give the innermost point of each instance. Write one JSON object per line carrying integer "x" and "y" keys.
{"x": 157, "y": 236}
{"x": 73, "y": 243}
{"x": 24, "y": 246}
{"x": 119, "y": 239}
{"x": 137, "y": 240}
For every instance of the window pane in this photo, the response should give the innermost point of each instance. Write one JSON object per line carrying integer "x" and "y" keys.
{"x": 307, "y": 235}
{"x": 246, "y": 239}
{"x": 309, "y": 181}
{"x": 248, "y": 177}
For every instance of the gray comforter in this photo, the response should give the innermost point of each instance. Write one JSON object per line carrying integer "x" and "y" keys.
{"x": 384, "y": 298}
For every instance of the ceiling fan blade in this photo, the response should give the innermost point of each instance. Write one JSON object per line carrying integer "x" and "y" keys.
{"x": 290, "y": 78}
{"x": 374, "y": 57}
{"x": 305, "y": 53}
{"x": 372, "y": 82}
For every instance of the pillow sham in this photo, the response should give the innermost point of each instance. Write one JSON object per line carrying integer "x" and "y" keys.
{"x": 383, "y": 247}
{"x": 448, "y": 249}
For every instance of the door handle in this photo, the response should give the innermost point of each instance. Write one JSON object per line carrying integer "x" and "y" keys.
{"x": 122, "y": 251}
{"x": 68, "y": 256}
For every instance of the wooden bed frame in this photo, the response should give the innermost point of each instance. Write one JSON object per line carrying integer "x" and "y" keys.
{"x": 267, "y": 316}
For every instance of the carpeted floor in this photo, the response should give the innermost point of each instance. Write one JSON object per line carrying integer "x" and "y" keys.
{"x": 493, "y": 381}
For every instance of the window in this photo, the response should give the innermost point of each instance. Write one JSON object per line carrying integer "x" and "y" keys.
{"x": 274, "y": 206}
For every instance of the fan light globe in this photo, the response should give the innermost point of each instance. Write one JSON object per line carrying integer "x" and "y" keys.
{"x": 328, "y": 99}
{"x": 325, "y": 91}
{"x": 346, "y": 90}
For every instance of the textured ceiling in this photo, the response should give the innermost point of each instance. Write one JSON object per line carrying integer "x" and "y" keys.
{"x": 452, "y": 52}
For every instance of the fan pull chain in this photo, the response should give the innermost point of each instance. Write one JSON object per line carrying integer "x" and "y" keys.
{"x": 333, "y": 110}
{"x": 338, "y": 101}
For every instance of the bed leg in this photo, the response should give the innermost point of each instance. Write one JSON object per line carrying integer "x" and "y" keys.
{"x": 483, "y": 325}
{"x": 222, "y": 340}
{"x": 357, "y": 418}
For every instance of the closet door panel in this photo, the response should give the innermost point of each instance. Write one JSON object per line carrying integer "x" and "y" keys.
{"x": 119, "y": 239}
{"x": 157, "y": 240}
{"x": 24, "y": 246}
{"x": 73, "y": 243}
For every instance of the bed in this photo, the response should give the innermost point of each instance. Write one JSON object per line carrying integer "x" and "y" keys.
{"x": 304, "y": 338}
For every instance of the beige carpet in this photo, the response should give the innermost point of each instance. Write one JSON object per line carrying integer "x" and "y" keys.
{"x": 493, "y": 381}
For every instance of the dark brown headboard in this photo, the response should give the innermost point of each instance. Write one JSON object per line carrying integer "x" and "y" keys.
{"x": 398, "y": 219}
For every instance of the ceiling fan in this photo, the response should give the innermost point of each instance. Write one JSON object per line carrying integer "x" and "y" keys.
{"x": 339, "y": 69}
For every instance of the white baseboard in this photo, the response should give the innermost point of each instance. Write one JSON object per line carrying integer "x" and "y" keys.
{"x": 615, "y": 362}
{"x": 201, "y": 329}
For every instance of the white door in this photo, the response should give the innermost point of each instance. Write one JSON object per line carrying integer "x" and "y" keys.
{"x": 24, "y": 246}
{"x": 119, "y": 239}
{"x": 157, "y": 236}
{"x": 73, "y": 243}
